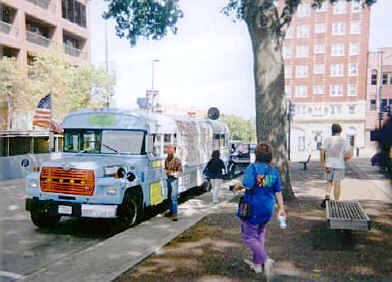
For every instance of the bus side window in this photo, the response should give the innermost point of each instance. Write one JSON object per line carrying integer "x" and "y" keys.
{"x": 222, "y": 140}
{"x": 216, "y": 141}
{"x": 157, "y": 145}
{"x": 167, "y": 138}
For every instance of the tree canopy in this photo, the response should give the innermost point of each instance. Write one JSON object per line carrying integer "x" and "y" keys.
{"x": 240, "y": 128}
{"x": 72, "y": 87}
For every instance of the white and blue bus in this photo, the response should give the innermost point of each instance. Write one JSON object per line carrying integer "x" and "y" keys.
{"x": 113, "y": 164}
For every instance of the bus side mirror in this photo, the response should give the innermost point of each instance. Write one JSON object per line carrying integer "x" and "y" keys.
{"x": 25, "y": 163}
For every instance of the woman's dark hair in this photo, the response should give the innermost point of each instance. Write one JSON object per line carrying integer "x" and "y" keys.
{"x": 336, "y": 129}
{"x": 216, "y": 154}
{"x": 263, "y": 153}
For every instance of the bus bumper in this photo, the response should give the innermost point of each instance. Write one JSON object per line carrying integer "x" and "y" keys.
{"x": 54, "y": 208}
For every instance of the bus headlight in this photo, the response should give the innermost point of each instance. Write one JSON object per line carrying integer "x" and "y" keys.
{"x": 33, "y": 183}
{"x": 111, "y": 191}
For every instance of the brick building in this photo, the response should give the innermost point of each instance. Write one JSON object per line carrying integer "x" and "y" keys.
{"x": 325, "y": 56}
{"x": 31, "y": 27}
{"x": 379, "y": 82}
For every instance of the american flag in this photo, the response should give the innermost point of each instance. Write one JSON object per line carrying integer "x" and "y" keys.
{"x": 42, "y": 115}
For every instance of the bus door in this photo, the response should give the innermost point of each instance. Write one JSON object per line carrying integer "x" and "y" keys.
{"x": 155, "y": 171}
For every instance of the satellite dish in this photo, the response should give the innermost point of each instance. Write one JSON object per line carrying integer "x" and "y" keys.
{"x": 213, "y": 113}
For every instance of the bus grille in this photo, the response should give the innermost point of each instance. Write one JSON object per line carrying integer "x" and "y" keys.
{"x": 72, "y": 181}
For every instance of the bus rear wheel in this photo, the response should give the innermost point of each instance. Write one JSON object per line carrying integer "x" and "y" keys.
{"x": 131, "y": 211}
{"x": 43, "y": 220}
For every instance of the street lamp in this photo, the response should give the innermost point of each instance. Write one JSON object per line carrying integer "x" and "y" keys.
{"x": 152, "y": 84}
{"x": 289, "y": 118}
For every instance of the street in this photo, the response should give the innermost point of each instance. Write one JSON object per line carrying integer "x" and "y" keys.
{"x": 25, "y": 249}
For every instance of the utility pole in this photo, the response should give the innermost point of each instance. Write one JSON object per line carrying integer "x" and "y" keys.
{"x": 379, "y": 92}
{"x": 107, "y": 59}
{"x": 152, "y": 84}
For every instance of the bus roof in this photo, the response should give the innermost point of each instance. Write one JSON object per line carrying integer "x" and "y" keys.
{"x": 136, "y": 120}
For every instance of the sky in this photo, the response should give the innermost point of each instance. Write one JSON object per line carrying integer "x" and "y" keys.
{"x": 209, "y": 63}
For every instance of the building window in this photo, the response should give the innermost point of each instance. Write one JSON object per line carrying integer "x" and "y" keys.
{"x": 301, "y": 143}
{"x": 320, "y": 28}
{"x": 339, "y": 7}
{"x": 351, "y": 109}
{"x": 304, "y": 10}
{"x": 287, "y": 89}
{"x": 337, "y": 49}
{"x": 355, "y": 6}
{"x": 318, "y": 90}
{"x": 373, "y": 105}
{"x": 338, "y": 28}
{"x": 319, "y": 49}
{"x": 374, "y": 77}
{"x": 337, "y": 70}
{"x": 289, "y": 33}
{"x": 354, "y": 49}
{"x": 287, "y": 52}
{"x": 336, "y": 90}
{"x": 288, "y": 70}
{"x": 74, "y": 11}
{"x": 385, "y": 78}
{"x": 303, "y": 31}
{"x": 353, "y": 69}
{"x": 322, "y": 8}
{"x": 301, "y": 71}
{"x": 302, "y": 51}
{"x": 301, "y": 91}
{"x": 355, "y": 27}
{"x": 383, "y": 106}
{"x": 319, "y": 69}
{"x": 352, "y": 90}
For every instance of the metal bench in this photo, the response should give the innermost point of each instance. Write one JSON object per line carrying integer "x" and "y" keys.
{"x": 347, "y": 215}
{"x": 305, "y": 163}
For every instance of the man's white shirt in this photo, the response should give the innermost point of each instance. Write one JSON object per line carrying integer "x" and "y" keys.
{"x": 335, "y": 147}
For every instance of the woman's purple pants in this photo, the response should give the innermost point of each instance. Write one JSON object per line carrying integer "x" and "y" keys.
{"x": 254, "y": 237}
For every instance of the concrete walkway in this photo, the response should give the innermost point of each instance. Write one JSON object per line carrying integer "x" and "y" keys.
{"x": 107, "y": 260}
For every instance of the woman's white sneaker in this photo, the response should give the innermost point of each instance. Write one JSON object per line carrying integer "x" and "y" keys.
{"x": 269, "y": 269}
{"x": 256, "y": 269}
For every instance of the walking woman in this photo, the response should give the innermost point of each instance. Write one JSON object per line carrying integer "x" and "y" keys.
{"x": 214, "y": 171}
{"x": 262, "y": 189}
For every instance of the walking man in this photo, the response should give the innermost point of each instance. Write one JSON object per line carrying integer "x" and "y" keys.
{"x": 173, "y": 170}
{"x": 333, "y": 153}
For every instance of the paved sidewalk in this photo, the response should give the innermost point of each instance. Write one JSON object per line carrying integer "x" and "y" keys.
{"x": 107, "y": 260}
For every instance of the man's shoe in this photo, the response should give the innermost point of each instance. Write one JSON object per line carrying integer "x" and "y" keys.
{"x": 324, "y": 202}
{"x": 168, "y": 214}
{"x": 269, "y": 269}
{"x": 174, "y": 217}
{"x": 251, "y": 265}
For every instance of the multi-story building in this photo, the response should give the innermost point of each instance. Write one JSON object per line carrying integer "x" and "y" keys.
{"x": 325, "y": 56}
{"x": 32, "y": 27}
{"x": 379, "y": 89}
{"x": 29, "y": 27}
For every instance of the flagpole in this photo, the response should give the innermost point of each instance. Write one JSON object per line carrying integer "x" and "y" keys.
{"x": 51, "y": 133}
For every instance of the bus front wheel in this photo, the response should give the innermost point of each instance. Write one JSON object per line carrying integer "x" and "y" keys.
{"x": 131, "y": 209}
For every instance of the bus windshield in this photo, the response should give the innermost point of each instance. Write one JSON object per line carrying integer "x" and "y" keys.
{"x": 101, "y": 141}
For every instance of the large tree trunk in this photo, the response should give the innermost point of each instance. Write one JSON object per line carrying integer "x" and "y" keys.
{"x": 271, "y": 119}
